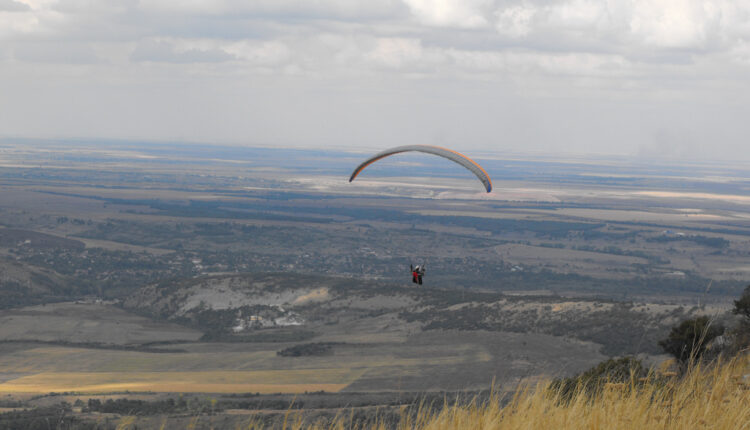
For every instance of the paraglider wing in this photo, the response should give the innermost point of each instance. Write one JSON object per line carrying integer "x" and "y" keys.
{"x": 454, "y": 156}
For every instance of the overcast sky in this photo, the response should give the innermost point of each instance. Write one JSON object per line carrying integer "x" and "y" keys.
{"x": 668, "y": 78}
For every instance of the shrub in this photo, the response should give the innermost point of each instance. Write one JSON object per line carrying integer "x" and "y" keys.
{"x": 688, "y": 341}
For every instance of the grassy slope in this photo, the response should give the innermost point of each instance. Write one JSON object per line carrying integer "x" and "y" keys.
{"x": 707, "y": 397}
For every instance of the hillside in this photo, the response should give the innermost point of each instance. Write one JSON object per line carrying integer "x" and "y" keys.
{"x": 242, "y": 304}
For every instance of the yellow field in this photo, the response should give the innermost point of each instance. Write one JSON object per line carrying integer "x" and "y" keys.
{"x": 591, "y": 214}
{"x": 77, "y": 360}
{"x": 271, "y": 381}
{"x": 507, "y": 214}
{"x": 223, "y": 369}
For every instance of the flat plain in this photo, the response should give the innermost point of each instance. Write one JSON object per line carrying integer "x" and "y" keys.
{"x": 175, "y": 273}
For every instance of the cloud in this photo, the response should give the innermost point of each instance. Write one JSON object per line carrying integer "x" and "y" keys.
{"x": 55, "y": 53}
{"x": 334, "y": 70}
{"x": 515, "y": 21}
{"x": 358, "y": 10}
{"x": 13, "y": 6}
{"x": 675, "y": 23}
{"x": 403, "y": 53}
{"x": 264, "y": 53}
{"x": 450, "y": 13}
{"x": 164, "y": 52}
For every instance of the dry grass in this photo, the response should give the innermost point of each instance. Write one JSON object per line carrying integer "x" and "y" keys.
{"x": 707, "y": 397}
{"x": 715, "y": 397}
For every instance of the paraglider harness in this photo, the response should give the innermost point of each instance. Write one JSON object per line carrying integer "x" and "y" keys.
{"x": 417, "y": 273}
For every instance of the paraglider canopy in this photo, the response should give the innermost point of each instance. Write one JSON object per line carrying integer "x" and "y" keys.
{"x": 454, "y": 156}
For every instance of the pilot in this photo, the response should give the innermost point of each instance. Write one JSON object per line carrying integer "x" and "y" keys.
{"x": 416, "y": 274}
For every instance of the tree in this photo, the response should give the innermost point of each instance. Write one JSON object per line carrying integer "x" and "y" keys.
{"x": 740, "y": 334}
{"x": 614, "y": 370}
{"x": 688, "y": 341}
{"x": 742, "y": 306}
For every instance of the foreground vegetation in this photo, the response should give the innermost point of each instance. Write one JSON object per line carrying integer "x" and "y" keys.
{"x": 715, "y": 396}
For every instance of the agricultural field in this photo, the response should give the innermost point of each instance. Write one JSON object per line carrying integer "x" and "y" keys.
{"x": 265, "y": 382}
{"x": 368, "y": 354}
{"x": 97, "y": 323}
